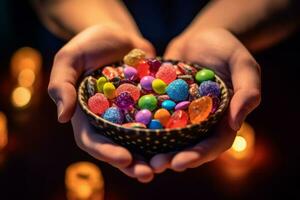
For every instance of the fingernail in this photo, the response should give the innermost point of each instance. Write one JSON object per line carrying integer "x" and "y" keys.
{"x": 59, "y": 109}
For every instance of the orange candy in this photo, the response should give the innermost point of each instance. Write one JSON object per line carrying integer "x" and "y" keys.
{"x": 162, "y": 115}
{"x": 200, "y": 109}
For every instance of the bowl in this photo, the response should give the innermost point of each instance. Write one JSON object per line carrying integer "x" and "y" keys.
{"x": 148, "y": 142}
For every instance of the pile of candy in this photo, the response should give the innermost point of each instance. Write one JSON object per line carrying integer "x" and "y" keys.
{"x": 148, "y": 93}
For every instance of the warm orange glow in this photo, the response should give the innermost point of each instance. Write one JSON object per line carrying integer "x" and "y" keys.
{"x": 84, "y": 181}
{"x": 3, "y": 130}
{"x": 26, "y": 58}
{"x": 239, "y": 144}
{"x": 21, "y": 97}
{"x": 26, "y": 78}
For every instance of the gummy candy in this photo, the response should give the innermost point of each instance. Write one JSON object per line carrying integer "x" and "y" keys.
{"x": 134, "y": 56}
{"x": 179, "y": 119}
{"x": 200, "y": 109}
{"x": 167, "y": 73}
{"x": 98, "y": 103}
{"x": 124, "y": 100}
{"x": 131, "y": 89}
{"x": 110, "y": 72}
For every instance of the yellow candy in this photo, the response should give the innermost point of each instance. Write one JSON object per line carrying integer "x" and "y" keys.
{"x": 134, "y": 57}
{"x": 162, "y": 115}
{"x": 109, "y": 90}
{"x": 159, "y": 86}
{"x": 100, "y": 83}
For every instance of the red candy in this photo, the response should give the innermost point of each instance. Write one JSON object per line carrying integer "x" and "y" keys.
{"x": 179, "y": 119}
{"x": 133, "y": 90}
{"x": 110, "y": 72}
{"x": 98, "y": 103}
{"x": 167, "y": 73}
{"x": 143, "y": 69}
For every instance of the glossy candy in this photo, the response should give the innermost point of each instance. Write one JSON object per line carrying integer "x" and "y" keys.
{"x": 168, "y": 104}
{"x": 100, "y": 82}
{"x": 167, "y": 73}
{"x": 155, "y": 124}
{"x": 134, "y": 125}
{"x": 194, "y": 91}
{"x": 162, "y": 98}
{"x": 187, "y": 78}
{"x": 110, "y": 72}
{"x": 154, "y": 65}
{"x": 209, "y": 87}
{"x": 159, "y": 86}
{"x": 98, "y": 103}
{"x": 114, "y": 115}
{"x": 179, "y": 119}
{"x": 205, "y": 75}
{"x": 163, "y": 115}
{"x": 109, "y": 90}
{"x": 133, "y": 90}
{"x": 148, "y": 102}
{"x": 124, "y": 100}
{"x": 143, "y": 116}
{"x": 178, "y": 90}
{"x": 200, "y": 109}
{"x": 182, "y": 105}
{"x": 130, "y": 73}
{"x": 134, "y": 57}
{"x": 186, "y": 69}
{"x": 146, "y": 82}
{"x": 216, "y": 103}
{"x": 143, "y": 69}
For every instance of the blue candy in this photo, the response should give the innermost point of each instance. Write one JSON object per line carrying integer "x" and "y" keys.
{"x": 168, "y": 104}
{"x": 155, "y": 124}
{"x": 209, "y": 88}
{"x": 114, "y": 115}
{"x": 178, "y": 90}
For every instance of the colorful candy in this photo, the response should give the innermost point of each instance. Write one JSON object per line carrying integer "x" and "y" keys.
{"x": 200, "y": 109}
{"x": 163, "y": 115}
{"x": 143, "y": 69}
{"x": 130, "y": 73}
{"x": 143, "y": 116}
{"x": 182, "y": 105}
{"x": 159, "y": 86}
{"x": 124, "y": 100}
{"x": 168, "y": 104}
{"x": 167, "y": 73}
{"x": 100, "y": 83}
{"x": 146, "y": 82}
{"x": 209, "y": 87}
{"x": 205, "y": 75}
{"x": 114, "y": 115}
{"x": 155, "y": 124}
{"x": 148, "y": 102}
{"x": 154, "y": 65}
{"x": 131, "y": 89}
{"x": 178, "y": 90}
{"x": 109, "y": 90}
{"x": 110, "y": 72}
{"x": 179, "y": 119}
{"x": 134, "y": 57}
{"x": 98, "y": 103}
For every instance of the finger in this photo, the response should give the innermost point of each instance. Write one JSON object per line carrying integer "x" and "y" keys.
{"x": 161, "y": 162}
{"x": 207, "y": 150}
{"x": 97, "y": 145}
{"x": 144, "y": 45}
{"x": 139, "y": 170}
{"x": 174, "y": 50}
{"x": 245, "y": 74}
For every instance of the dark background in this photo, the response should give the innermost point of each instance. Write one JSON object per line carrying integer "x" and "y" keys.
{"x": 39, "y": 149}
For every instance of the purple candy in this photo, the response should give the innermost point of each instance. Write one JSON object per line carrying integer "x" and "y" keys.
{"x": 130, "y": 73}
{"x": 182, "y": 105}
{"x": 216, "y": 103}
{"x": 124, "y": 100}
{"x": 154, "y": 65}
{"x": 146, "y": 82}
{"x": 143, "y": 116}
{"x": 209, "y": 87}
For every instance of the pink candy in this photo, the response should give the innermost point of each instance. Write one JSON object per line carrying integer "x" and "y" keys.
{"x": 133, "y": 90}
{"x": 98, "y": 103}
{"x": 167, "y": 73}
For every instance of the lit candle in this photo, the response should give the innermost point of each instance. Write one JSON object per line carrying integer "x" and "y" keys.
{"x": 21, "y": 97}
{"x": 84, "y": 181}
{"x": 3, "y": 131}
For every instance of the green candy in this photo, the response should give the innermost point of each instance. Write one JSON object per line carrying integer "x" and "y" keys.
{"x": 148, "y": 102}
{"x": 100, "y": 83}
{"x": 159, "y": 86}
{"x": 205, "y": 75}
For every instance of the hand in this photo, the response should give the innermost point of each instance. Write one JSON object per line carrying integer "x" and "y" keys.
{"x": 220, "y": 50}
{"x": 94, "y": 47}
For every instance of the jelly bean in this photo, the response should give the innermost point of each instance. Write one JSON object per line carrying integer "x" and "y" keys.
{"x": 124, "y": 100}
{"x": 134, "y": 57}
{"x": 91, "y": 86}
{"x": 133, "y": 90}
{"x": 162, "y": 115}
{"x": 146, "y": 82}
{"x": 159, "y": 86}
{"x": 100, "y": 82}
{"x": 167, "y": 73}
{"x": 109, "y": 90}
{"x": 154, "y": 65}
{"x": 155, "y": 124}
{"x": 178, "y": 90}
{"x": 186, "y": 69}
{"x": 148, "y": 102}
{"x": 98, "y": 103}
{"x": 168, "y": 104}
{"x": 182, "y": 105}
{"x": 130, "y": 73}
{"x": 143, "y": 116}
{"x": 114, "y": 115}
{"x": 205, "y": 75}
{"x": 134, "y": 125}
{"x": 179, "y": 119}
{"x": 200, "y": 109}
{"x": 143, "y": 69}
{"x": 110, "y": 72}
{"x": 209, "y": 87}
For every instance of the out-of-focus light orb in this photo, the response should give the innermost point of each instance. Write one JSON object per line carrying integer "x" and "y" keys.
{"x": 21, "y": 96}
{"x": 84, "y": 180}
{"x": 26, "y": 78}
{"x": 3, "y": 131}
{"x": 239, "y": 144}
{"x": 26, "y": 58}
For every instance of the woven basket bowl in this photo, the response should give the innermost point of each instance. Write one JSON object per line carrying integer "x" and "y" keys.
{"x": 148, "y": 142}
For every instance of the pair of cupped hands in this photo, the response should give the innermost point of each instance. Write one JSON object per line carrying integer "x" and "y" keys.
{"x": 99, "y": 45}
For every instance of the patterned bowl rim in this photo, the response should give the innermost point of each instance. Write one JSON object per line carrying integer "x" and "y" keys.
{"x": 221, "y": 109}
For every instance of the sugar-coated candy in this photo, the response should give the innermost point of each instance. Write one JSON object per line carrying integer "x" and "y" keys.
{"x": 167, "y": 73}
{"x": 159, "y": 86}
{"x": 143, "y": 116}
{"x": 143, "y": 69}
{"x": 133, "y": 57}
{"x": 182, "y": 105}
{"x": 155, "y": 124}
{"x": 124, "y": 100}
{"x": 133, "y": 90}
{"x": 100, "y": 82}
{"x": 168, "y": 104}
{"x": 146, "y": 82}
{"x": 178, "y": 90}
{"x": 154, "y": 65}
{"x": 209, "y": 87}
{"x": 110, "y": 72}
{"x": 134, "y": 125}
{"x": 186, "y": 69}
{"x": 163, "y": 115}
{"x": 114, "y": 115}
{"x": 98, "y": 103}
{"x": 109, "y": 90}
{"x": 179, "y": 119}
{"x": 148, "y": 102}
{"x": 205, "y": 75}
{"x": 91, "y": 86}
{"x": 130, "y": 73}
{"x": 200, "y": 109}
